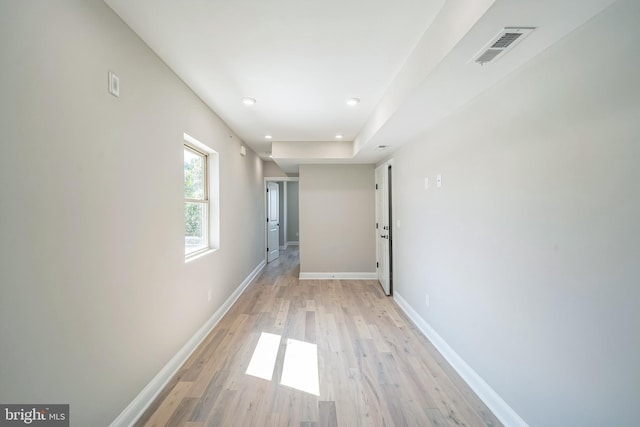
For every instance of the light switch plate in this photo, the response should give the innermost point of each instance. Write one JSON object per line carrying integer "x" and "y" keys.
{"x": 114, "y": 84}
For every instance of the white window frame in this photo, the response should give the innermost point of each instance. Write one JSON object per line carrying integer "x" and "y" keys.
{"x": 211, "y": 198}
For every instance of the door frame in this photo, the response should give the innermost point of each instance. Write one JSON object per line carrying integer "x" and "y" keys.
{"x": 264, "y": 208}
{"x": 274, "y": 219}
{"x": 392, "y": 224}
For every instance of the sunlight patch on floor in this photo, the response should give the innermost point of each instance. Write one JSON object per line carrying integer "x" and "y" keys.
{"x": 264, "y": 356}
{"x": 300, "y": 370}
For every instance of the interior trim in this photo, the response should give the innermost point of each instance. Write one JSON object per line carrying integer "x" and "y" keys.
{"x": 338, "y": 276}
{"x": 494, "y": 402}
{"x": 144, "y": 399}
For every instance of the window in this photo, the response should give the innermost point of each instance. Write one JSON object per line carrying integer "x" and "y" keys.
{"x": 196, "y": 201}
{"x": 201, "y": 198}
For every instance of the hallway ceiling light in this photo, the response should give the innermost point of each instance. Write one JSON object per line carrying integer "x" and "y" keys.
{"x": 248, "y": 101}
{"x": 339, "y": 136}
{"x": 353, "y": 101}
{"x": 268, "y": 137}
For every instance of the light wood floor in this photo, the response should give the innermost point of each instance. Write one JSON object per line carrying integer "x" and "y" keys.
{"x": 375, "y": 368}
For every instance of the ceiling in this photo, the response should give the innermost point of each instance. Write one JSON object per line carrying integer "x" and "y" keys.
{"x": 408, "y": 61}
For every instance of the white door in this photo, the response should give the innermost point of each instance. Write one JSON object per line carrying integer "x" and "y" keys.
{"x": 383, "y": 228}
{"x": 273, "y": 221}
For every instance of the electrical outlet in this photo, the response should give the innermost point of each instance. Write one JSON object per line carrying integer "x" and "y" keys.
{"x": 426, "y": 300}
{"x": 439, "y": 180}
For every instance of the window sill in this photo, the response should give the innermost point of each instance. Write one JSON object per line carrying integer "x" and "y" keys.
{"x": 199, "y": 254}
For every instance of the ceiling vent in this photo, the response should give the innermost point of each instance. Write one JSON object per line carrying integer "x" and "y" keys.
{"x": 503, "y": 42}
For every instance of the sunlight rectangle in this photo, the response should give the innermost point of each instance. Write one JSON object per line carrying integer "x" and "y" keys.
{"x": 264, "y": 356}
{"x": 300, "y": 370}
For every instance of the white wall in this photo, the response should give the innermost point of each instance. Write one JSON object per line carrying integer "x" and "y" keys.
{"x": 282, "y": 213}
{"x": 337, "y": 206}
{"x": 272, "y": 170}
{"x": 529, "y": 251}
{"x": 95, "y": 295}
{"x": 293, "y": 226}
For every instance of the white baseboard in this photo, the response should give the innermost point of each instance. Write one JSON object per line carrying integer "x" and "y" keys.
{"x": 296, "y": 243}
{"x": 142, "y": 401}
{"x": 494, "y": 402}
{"x": 338, "y": 276}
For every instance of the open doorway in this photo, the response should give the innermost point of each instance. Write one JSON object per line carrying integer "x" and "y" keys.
{"x": 273, "y": 221}
{"x": 281, "y": 207}
{"x": 384, "y": 227}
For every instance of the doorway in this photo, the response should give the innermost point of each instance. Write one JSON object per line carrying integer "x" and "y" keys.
{"x": 273, "y": 221}
{"x": 281, "y": 208}
{"x": 384, "y": 229}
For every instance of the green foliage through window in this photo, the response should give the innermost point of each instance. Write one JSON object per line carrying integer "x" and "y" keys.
{"x": 196, "y": 200}
{"x": 194, "y": 168}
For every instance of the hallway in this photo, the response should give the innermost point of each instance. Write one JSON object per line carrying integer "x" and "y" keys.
{"x": 374, "y": 367}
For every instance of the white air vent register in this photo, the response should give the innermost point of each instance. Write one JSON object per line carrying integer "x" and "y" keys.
{"x": 504, "y": 41}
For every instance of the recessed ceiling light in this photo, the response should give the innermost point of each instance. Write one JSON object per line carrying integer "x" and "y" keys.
{"x": 353, "y": 101}
{"x": 339, "y": 136}
{"x": 248, "y": 101}
{"x": 268, "y": 137}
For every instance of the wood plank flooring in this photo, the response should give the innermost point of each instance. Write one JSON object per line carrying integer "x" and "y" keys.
{"x": 374, "y": 367}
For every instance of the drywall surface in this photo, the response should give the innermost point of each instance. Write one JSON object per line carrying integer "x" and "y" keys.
{"x": 272, "y": 170}
{"x": 282, "y": 213}
{"x": 95, "y": 294}
{"x": 293, "y": 223}
{"x": 337, "y": 217}
{"x": 529, "y": 251}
